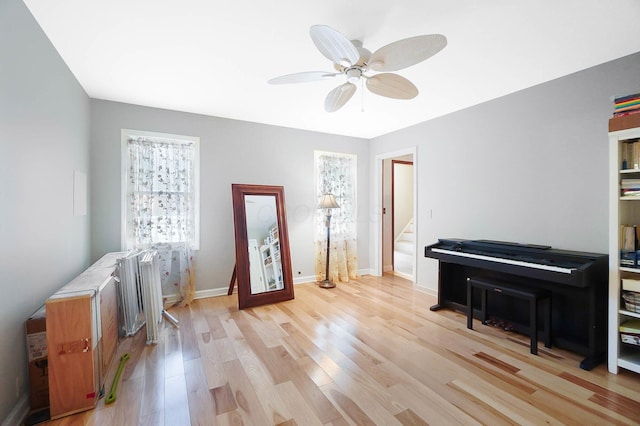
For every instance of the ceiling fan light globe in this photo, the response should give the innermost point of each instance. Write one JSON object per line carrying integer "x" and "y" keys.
{"x": 353, "y": 75}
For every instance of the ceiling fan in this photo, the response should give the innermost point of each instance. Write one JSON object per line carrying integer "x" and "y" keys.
{"x": 353, "y": 61}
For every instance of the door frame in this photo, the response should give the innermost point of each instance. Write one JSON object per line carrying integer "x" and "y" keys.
{"x": 393, "y": 207}
{"x": 376, "y": 255}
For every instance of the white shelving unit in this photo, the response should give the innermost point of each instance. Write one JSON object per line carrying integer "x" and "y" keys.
{"x": 271, "y": 262}
{"x": 622, "y": 211}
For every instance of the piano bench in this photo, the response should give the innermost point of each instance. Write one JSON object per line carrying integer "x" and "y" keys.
{"x": 532, "y": 295}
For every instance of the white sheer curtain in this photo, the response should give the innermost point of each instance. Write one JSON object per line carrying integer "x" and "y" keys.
{"x": 160, "y": 209}
{"x": 336, "y": 174}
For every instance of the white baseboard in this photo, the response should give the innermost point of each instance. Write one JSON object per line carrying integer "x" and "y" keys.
{"x": 429, "y": 291}
{"x": 213, "y": 292}
{"x": 18, "y": 413}
{"x": 312, "y": 278}
{"x": 405, "y": 276}
{"x": 303, "y": 280}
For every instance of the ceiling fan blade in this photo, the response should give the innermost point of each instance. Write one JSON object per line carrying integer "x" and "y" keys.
{"x": 392, "y": 86}
{"x": 406, "y": 52}
{"x": 303, "y": 77}
{"x": 334, "y": 46}
{"x": 339, "y": 96}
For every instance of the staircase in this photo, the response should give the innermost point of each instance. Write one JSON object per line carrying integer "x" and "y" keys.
{"x": 404, "y": 251}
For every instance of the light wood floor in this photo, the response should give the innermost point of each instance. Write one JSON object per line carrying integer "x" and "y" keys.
{"x": 367, "y": 352}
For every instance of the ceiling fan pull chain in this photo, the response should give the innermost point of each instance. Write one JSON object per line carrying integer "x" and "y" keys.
{"x": 362, "y": 95}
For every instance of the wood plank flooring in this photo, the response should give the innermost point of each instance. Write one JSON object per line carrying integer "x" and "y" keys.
{"x": 369, "y": 352}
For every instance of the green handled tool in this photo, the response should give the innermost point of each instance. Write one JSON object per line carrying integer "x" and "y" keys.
{"x": 114, "y": 387}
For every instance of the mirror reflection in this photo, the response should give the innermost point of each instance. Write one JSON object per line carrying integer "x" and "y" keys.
{"x": 263, "y": 261}
{"x": 265, "y": 265}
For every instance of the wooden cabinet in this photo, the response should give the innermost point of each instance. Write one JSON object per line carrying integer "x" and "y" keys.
{"x": 74, "y": 368}
{"x": 624, "y": 214}
{"x": 82, "y": 337}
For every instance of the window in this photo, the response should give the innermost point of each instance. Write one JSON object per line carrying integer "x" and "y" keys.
{"x": 160, "y": 189}
{"x": 336, "y": 174}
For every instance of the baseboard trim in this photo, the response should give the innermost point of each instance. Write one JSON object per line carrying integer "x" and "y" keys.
{"x": 304, "y": 280}
{"x": 215, "y": 292}
{"x": 403, "y": 275}
{"x": 18, "y": 413}
{"x": 429, "y": 291}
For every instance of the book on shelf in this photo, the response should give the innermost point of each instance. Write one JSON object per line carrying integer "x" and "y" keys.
{"x": 629, "y": 247}
{"x": 625, "y": 98}
{"x": 625, "y": 113}
{"x": 630, "y": 154}
{"x": 630, "y": 188}
{"x": 626, "y": 103}
{"x": 629, "y": 284}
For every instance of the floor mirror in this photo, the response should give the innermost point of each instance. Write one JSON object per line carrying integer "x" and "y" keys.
{"x": 263, "y": 262}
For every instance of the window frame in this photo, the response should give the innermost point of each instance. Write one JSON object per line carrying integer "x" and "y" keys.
{"x": 125, "y": 134}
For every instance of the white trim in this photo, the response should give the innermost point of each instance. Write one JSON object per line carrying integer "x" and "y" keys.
{"x": 18, "y": 413}
{"x": 304, "y": 280}
{"x": 403, "y": 275}
{"x": 376, "y": 258}
{"x": 427, "y": 290}
{"x": 213, "y": 292}
{"x": 124, "y": 135}
{"x": 312, "y": 278}
{"x": 216, "y": 292}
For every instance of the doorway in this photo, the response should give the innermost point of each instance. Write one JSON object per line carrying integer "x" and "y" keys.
{"x": 395, "y": 241}
{"x": 402, "y": 230}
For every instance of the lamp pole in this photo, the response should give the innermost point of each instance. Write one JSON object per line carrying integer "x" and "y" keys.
{"x": 328, "y": 202}
{"x": 327, "y": 283}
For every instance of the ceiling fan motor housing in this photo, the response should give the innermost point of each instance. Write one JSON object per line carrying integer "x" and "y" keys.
{"x": 353, "y": 74}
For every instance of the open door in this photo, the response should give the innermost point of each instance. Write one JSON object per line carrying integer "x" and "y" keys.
{"x": 398, "y": 222}
{"x": 403, "y": 249}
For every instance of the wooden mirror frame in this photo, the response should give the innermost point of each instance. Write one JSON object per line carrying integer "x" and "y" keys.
{"x": 245, "y": 298}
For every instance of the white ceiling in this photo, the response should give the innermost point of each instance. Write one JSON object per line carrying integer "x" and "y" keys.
{"x": 214, "y": 57}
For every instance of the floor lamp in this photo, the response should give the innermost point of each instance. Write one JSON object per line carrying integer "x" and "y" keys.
{"x": 328, "y": 202}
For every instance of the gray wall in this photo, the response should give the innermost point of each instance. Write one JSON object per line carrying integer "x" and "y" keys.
{"x": 530, "y": 167}
{"x": 230, "y": 152}
{"x": 44, "y": 137}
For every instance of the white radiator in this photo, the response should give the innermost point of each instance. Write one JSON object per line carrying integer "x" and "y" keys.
{"x": 140, "y": 294}
{"x": 151, "y": 293}
{"x": 129, "y": 300}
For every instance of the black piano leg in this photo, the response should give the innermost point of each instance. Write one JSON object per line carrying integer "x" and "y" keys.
{"x": 435, "y": 307}
{"x": 592, "y": 361}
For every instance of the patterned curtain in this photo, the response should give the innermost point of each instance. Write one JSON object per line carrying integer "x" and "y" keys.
{"x": 336, "y": 174}
{"x": 161, "y": 210}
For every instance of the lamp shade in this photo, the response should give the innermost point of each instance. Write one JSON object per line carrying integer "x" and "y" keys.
{"x": 328, "y": 201}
